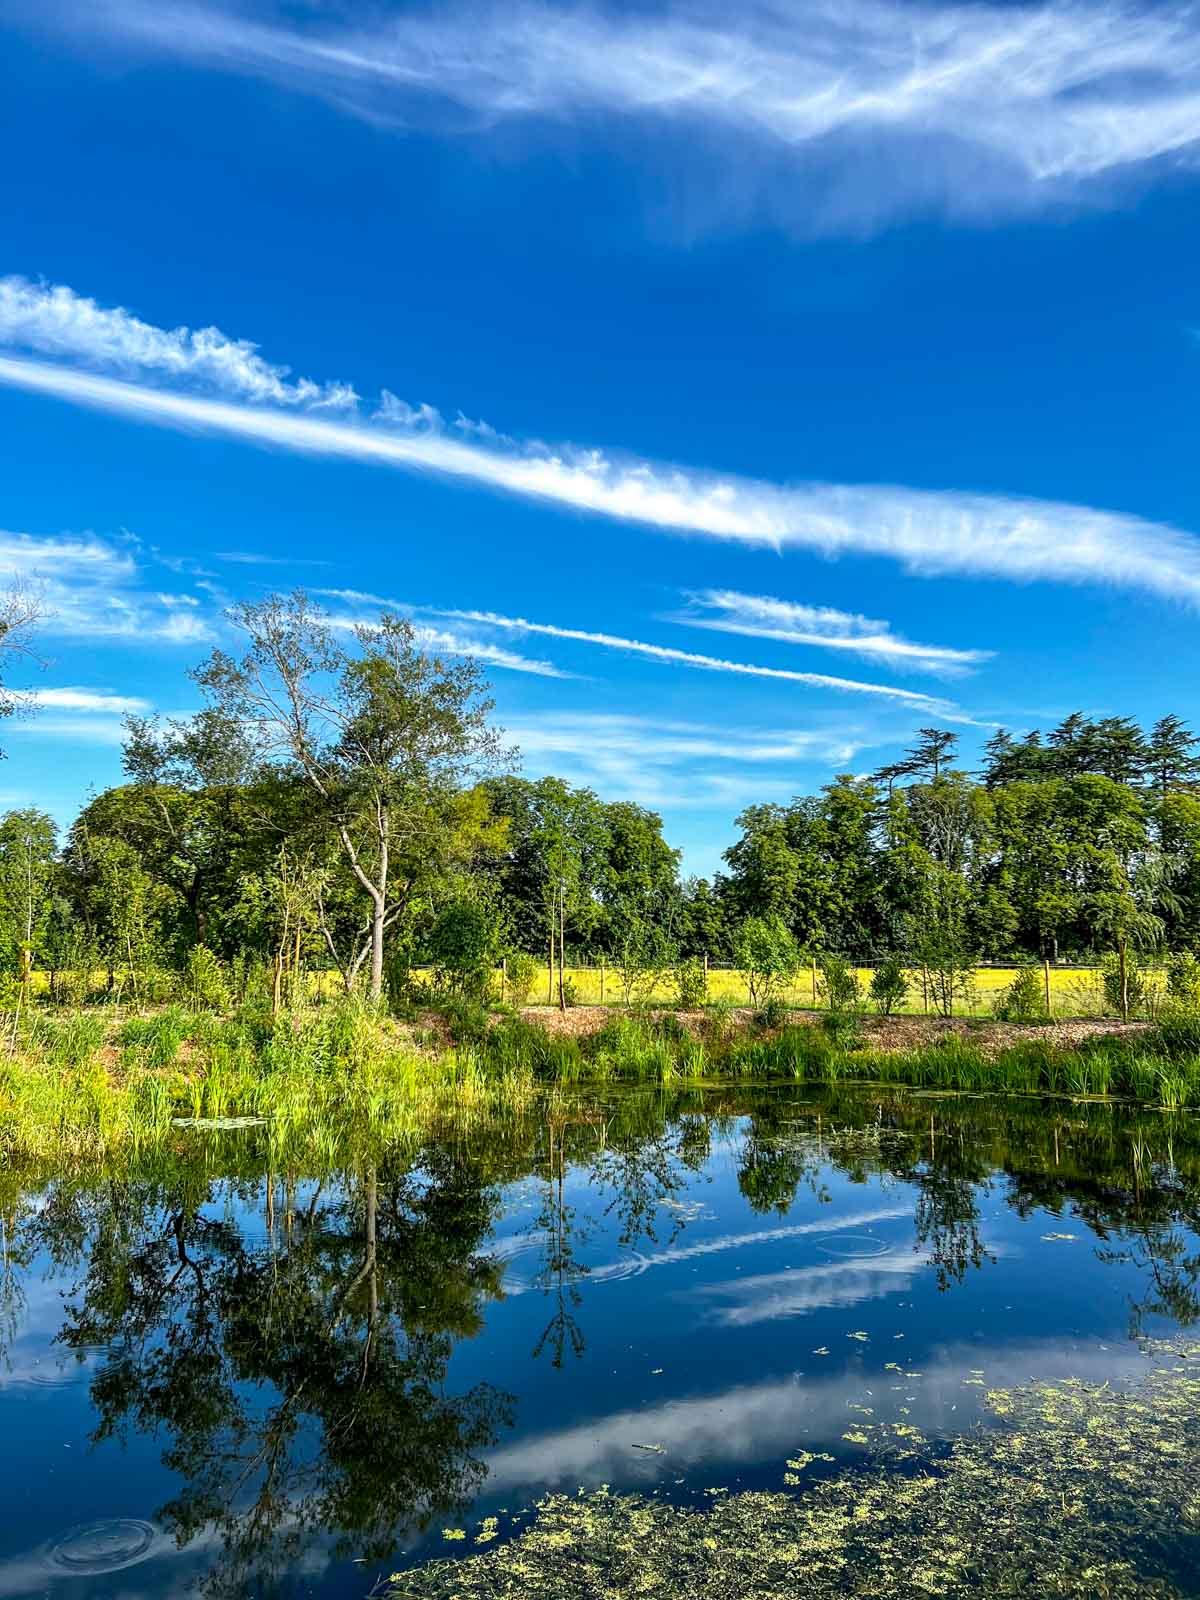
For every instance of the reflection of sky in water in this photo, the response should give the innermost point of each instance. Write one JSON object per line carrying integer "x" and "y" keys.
{"x": 702, "y": 1342}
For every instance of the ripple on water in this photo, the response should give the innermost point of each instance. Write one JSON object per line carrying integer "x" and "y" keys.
{"x": 853, "y": 1246}
{"x": 61, "y": 1371}
{"x": 98, "y": 1547}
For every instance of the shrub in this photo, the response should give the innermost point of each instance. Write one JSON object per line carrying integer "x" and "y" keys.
{"x": 769, "y": 956}
{"x": 522, "y": 970}
{"x": 691, "y": 984}
{"x": 462, "y": 947}
{"x": 839, "y": 986}
{"x": 1183, "y": 980}
{"x": 1024, "y": 1000}
{"x": 842, "y": 1029}
{"x": 774, "y": 1014}
{"x": 889, "y": 986}
{"x": 204, "y": 986}
{"x": 1135, "y": 984}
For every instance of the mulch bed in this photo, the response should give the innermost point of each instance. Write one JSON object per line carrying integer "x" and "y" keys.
{"x": 883, "y": 1033}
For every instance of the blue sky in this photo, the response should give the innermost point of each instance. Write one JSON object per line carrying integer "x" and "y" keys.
{"x": 843, "y": 363}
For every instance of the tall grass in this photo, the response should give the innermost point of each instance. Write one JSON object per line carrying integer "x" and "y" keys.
{"x": 82, "y": 1084}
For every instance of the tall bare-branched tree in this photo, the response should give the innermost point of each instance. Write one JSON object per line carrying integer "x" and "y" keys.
{"x": 384, "y": 733}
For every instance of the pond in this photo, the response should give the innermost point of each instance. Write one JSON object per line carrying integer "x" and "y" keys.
{"x": 220, "y": 1379}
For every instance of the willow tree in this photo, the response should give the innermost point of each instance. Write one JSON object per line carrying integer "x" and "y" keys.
{"x": 384, "y": 734}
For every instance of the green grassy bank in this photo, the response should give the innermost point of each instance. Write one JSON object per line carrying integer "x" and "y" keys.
{"x": 87, "y": 1083}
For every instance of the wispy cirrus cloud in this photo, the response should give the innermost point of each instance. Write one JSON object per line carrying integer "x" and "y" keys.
{"x": 981, "y": 109}
{"x": 364, "y": 611}
{"x": 757, "y": 616}
{"x": 661, "y": 762}
{"x": 73, "y": 699}
{"x": 93, "y": 588}
{"x": 928, "y": 532}
{"x": 55, "y": 321}
{"x": 79, "y": 715}
{"x": 669, "y": 655}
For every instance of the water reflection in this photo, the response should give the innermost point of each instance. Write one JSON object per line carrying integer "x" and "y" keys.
{"x": 323, "y": 1367}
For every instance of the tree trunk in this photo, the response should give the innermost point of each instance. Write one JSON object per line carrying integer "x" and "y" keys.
{"x": 1124, "y": 969}
{"x": 377, "y": 916}
{"x": 562, "y": 917}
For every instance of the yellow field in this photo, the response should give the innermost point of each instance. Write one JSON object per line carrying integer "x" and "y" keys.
{"x": 1074, "y": 991}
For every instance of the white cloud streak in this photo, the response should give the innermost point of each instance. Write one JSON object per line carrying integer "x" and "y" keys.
{"x": 682, "y": 765}
{"x": 927, "y": 532}
{"x": 55, "y": 321}
{"x": 90, "y": 588}
{"x": 655, "y": 652}
{"x": 981, "y": 108}
{"x": 99, "y": 700}
{"x": 762, "y": 617}
{"x": 445, "y": 640}
{"x": 690, "y": 658}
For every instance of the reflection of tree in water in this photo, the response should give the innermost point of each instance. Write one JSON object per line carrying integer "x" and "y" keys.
{"x": 643, "y": 1163}
{"x": 299, "y": 1380}
{"x": 776, "y": 1159}
{"x": 946, "y": 1216}
{"x": 559, "y": 1274}
{"x": 297, "y": 1371}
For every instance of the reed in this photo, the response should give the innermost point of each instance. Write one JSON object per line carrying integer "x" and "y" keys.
{"x": 77, "y": 1085}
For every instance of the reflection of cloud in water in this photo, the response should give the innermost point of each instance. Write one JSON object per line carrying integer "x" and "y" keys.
{"x": 798, "y": 1291}
{"x": 637, "y": 1263}
{"x": 764, "y": 1422}
{"x": 164, "y": 1571}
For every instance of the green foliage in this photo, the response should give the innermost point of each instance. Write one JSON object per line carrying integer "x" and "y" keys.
{"x": 768, "y": 954}
{"x": 204, "y": 985}
{"x": 1183, "y": 979}
{"x": 1131, "y": 986}
{"x": 691, "y": 984}
{"x": 522, "y": 973}
{"x": 889, "y": 985}
{"x": 774, "y": 1014}
{"x": 644, "y": 957}
{"x": 463, "y": 947}
{"x": 842, "y": 1028}
{"x": 839, "y": 988}
{"x": 1024, "y": 1000}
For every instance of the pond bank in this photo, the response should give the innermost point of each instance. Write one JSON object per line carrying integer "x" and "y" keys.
{"x": 84, "y": 1084}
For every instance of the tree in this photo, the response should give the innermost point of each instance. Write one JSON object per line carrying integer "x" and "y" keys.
{"x": 769, "y": 956}
{"x": 1170, "y": 763}
{"x": 384, "y": 735}
{"x": 20, "y": 612}
{"x": 27, "y": 869}
{"x": 933, "y": 750}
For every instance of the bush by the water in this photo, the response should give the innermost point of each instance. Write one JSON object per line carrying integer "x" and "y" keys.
{"x": 1025, "y": 998}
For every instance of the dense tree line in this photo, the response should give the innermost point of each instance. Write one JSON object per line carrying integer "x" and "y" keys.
{"x": 345, "y": 802}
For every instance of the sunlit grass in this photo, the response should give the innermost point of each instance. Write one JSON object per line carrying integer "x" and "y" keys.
{"x": 83, "y": 1084}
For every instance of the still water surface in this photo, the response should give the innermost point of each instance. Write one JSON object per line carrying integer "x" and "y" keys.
{"x": 216, "y": 1379}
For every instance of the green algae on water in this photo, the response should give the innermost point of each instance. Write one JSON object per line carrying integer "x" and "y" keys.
{"x": 1077, "y": 1490}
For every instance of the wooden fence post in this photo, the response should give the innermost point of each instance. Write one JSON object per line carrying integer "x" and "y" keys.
{"x": 814, "y": 985}
{"x": 503, "y": 978}
{"x": 602, "y": 983}
{"x": 1046, "y": 969}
